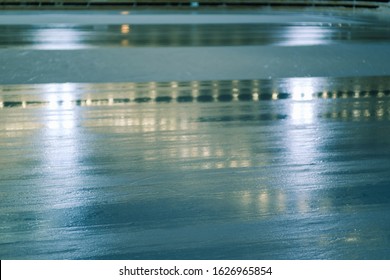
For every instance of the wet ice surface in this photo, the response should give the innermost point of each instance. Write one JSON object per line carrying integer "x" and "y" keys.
{"x": 197, "y": 170}
{"x": 107, "y": 153}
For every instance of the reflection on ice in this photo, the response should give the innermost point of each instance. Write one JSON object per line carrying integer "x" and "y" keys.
{"x": 302, "y": 113}
{"x": 61, "y": 149}
{"x": 65, "y": 120}
{"x": 125, "y": 28}
{"x": 58, "y": 37}
{"x": 303, "y": 89}
{"x": 60, "y": 95}
{"x": 306, "y": 36}
{"x": 91, "y": 164}
{"x": 298, "y": 89}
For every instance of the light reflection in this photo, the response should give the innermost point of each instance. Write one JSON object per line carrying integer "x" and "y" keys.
{"x": 195, "y": 153}
{"x": 61, "y": 150}
{"x": 302, "y": 89}
{"x": 53, "y": 102}
{"x": 203, "y": 153}
{"x": 352, "y": 237}
{"x": 299, "y": 89}
{"x": 125, "y": 42}
{"x": 356, "y": 113}
{"x": 13, "y": 127}
{"x": 64, "y": 120}
{"x": 58, "y": 37}
{"x": 195, "y": 93}
{"x": 246, "y": 197}
{"x": 59, "y": 88}
{"x": 195, "y": 84}
{"x": 306, "y": 35}
{"x": 302, "y": 144}
{"x": 380, "y": 111}
{"x": 125, "y": 28}
{"x": 264, "y": 200}
{"x": 302, "y": 113}
{"x": 60, "y": 95}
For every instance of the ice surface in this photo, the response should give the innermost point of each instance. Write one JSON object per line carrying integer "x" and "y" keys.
{"x": 233, "y": 164}
{"x": 184, "y": 64}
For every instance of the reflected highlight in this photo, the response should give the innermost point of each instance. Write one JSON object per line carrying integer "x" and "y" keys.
{"x": 306, "y": 36}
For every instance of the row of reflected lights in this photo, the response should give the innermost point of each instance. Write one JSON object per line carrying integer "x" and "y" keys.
{"x": 295, "y": 35}
{"x": 66, "y": 101}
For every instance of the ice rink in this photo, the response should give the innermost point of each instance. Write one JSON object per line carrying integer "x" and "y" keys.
{"x": 261, "y": 134}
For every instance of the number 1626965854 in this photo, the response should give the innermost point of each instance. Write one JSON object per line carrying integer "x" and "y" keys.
{"x": 250, "y": 270}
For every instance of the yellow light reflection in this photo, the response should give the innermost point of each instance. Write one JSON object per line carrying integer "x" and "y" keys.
{"x": 125, "y": 28}
{"x": 125, "y": 42}
{"x": 263, "y": 198}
